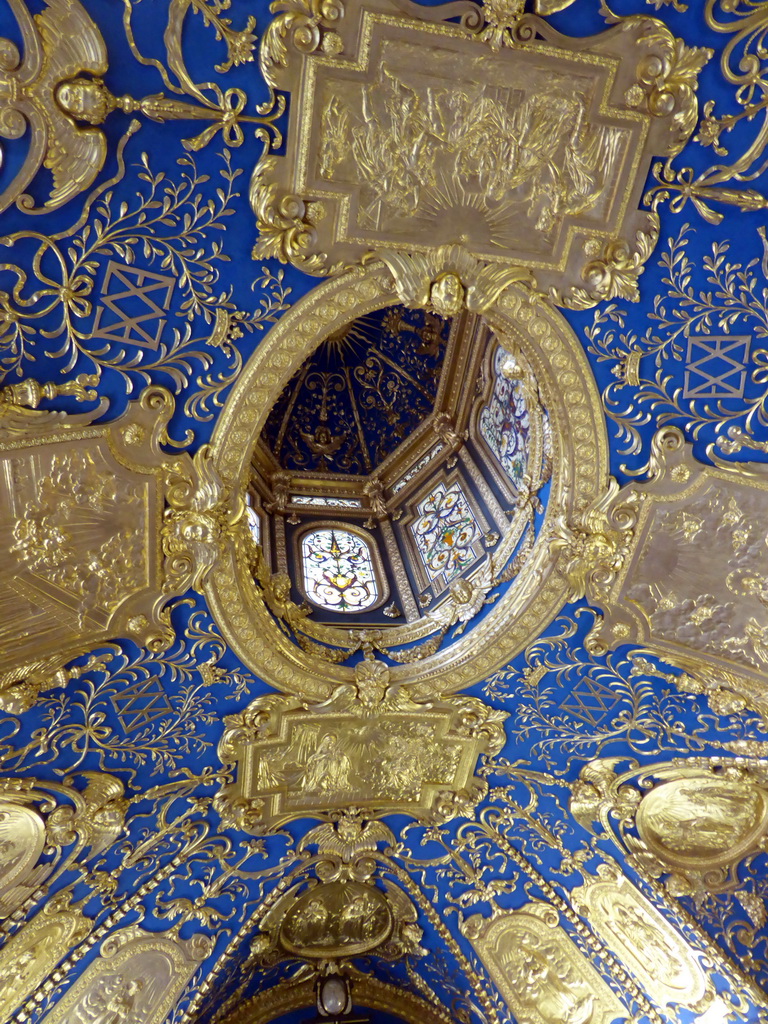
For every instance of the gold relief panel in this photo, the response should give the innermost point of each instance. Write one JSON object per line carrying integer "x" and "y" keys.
{"x": 408, "y": 132}
{"x": 138, "y": 975}
{"x": 658, "y": 956}
{"x": 678, "y": 564}
{"x": 541, "y": 973}
{"x": 338, "y": 920}
{"x": 543, "y": 339}
{"x": 30, "y": 955}
{"x": 87, "y": 552}
{"x": 702, "y": 822}
{"x": 375, "y": 750}
{"x": 691, "y": 823}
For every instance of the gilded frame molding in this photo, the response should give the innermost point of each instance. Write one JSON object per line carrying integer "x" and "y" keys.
{"x": 579, "y": 477}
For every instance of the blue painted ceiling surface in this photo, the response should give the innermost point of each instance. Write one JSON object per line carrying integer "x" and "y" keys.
{"x": 566, "y": 705}
{"x": 361, "y": 394}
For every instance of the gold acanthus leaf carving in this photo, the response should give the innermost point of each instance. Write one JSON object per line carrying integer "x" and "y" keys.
{"x": 593, "y": 547}
{"x": 669, "y": 75}
{"x": 614, "y": 271}
{"x": 307, "y": 24}
{"x": 198, "y": 524}
{"x": 449, "y": 279}
{"x": 286, "y": 223}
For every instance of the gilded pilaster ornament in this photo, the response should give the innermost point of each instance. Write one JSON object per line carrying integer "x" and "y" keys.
{"x": 198, "y": 523}
{"x": 688, "y": 579}
{"x": 137, "y": 975}
{"x": 658, "y": 956}
{"x": 401, "y": 168}
{"x": 592, "y": 550}
{"x": 29, "y": 956}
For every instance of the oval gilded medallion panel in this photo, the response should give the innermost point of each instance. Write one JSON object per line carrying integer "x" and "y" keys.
{"x": 337, "y": 919}
{"x": 703, "y": 822}
{"x": 456, "y": 507}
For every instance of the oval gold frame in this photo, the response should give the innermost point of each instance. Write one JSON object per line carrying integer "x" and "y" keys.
{"x": 520, "y": 319}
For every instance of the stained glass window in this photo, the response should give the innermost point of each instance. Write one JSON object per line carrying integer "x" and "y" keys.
{"x": 338, "y": 570}
{"x": 445, "y": 531}
{"x": 505, "y": 422}
{"x": 254, "y": 523}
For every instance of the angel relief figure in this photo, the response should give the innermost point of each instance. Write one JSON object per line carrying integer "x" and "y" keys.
{"x": 60, "y": 44}
{"x": 113, "y": 999}
{"x": 327, "y": 770}
{"x": 416, "y": 149}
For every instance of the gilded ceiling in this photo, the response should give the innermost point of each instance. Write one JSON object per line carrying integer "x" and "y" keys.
{"x": 356, "y": 273}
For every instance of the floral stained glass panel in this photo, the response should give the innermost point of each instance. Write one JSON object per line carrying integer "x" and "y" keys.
{"x": 505, "y": 422}
{"x": 338, "y": 570}
{"x": 445, "y": 531}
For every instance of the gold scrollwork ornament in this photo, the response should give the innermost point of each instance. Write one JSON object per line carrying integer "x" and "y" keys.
{"x": 410, "y": 132}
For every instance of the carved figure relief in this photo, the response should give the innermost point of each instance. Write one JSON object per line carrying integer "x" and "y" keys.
{"x": 419, "y": 152}
{"x": 689, "y": 578}
{"x": 137, "y": 976}
{"x": 409, "y": 134}
{"x": 30, "y": 955}
{"x": 60, "y": 43}
{"x": 691, "y": 825}
{"x": 636, "y": 932}
{"x": 542, "y": 975}
{"x": 295, "y": 759}
{"x": 344, "y": 919}
{"x": 80, "y": 532}
{"x": 704, "y": 821}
